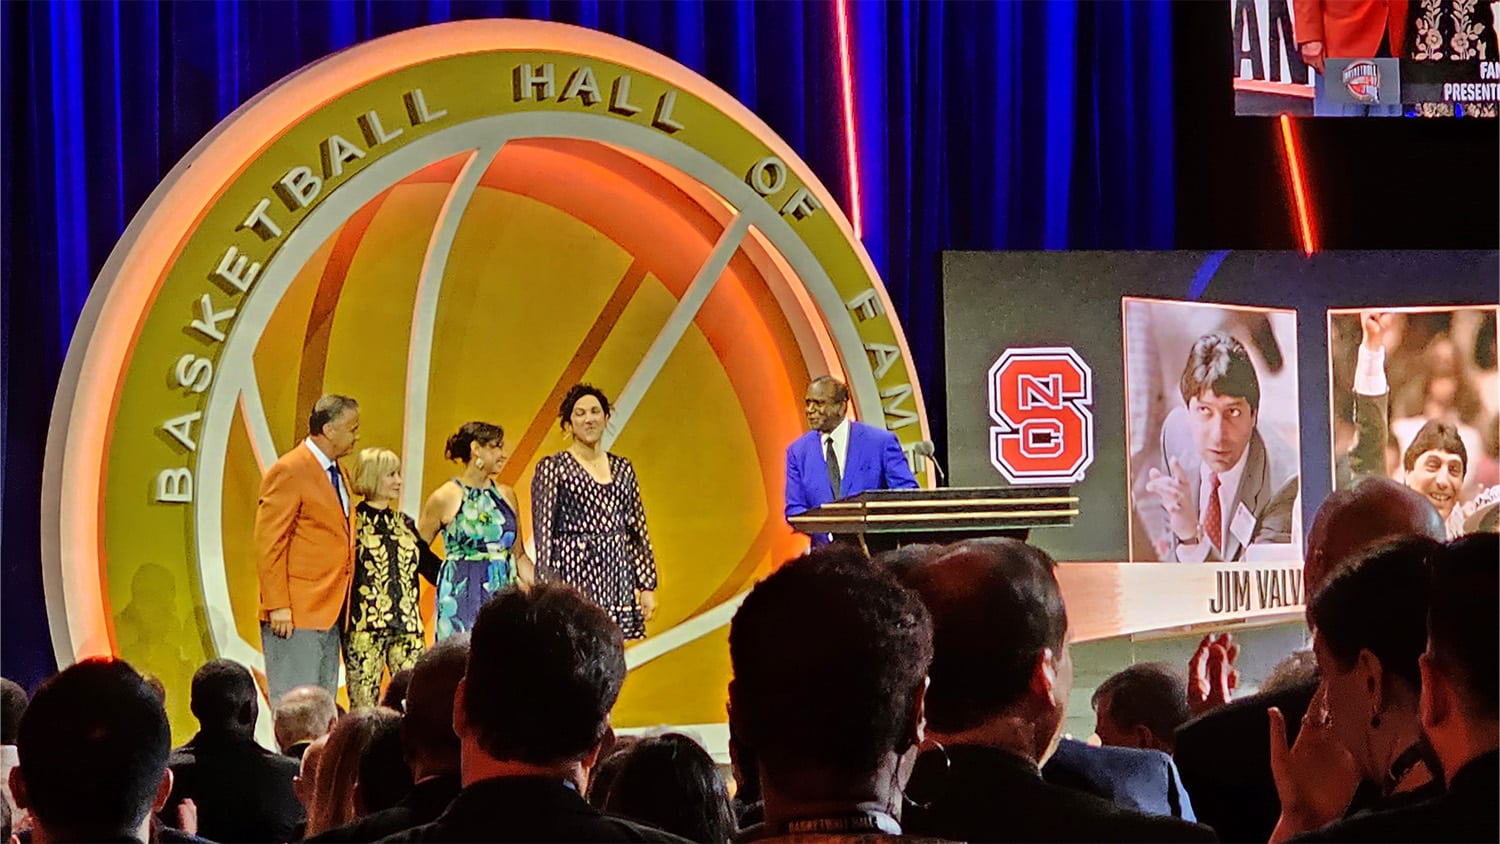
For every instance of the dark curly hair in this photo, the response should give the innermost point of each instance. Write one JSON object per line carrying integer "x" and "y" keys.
{"x": 828, "y": 654}
{"x": 576, "y": 392}
{"x": 460, "y": 445}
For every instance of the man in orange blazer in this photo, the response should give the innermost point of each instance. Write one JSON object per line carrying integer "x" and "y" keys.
{"x": 1348, "y": 29}
{"x": 304, "y": 549}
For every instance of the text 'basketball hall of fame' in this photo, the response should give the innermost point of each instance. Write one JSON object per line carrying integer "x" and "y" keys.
{"x": 1040, "y": 402}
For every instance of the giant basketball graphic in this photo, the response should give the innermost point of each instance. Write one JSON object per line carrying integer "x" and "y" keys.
{"x": 454, "y": 223}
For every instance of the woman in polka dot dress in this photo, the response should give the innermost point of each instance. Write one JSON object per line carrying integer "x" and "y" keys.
{"x": 587, "y": 519}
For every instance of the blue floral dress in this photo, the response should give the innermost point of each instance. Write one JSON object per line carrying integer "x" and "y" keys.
{"x": 477, "y": 545}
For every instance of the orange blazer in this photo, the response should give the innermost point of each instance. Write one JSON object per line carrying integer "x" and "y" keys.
{"x": 1350, "y": 29}
{"x": 304, "y": 544}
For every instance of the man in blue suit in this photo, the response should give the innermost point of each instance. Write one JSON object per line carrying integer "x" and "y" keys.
{"x": 839, "y": 457}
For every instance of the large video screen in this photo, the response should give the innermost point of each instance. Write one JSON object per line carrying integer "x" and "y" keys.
{"x": 1202, "y": 404}
{"x": 1359, "y": 58}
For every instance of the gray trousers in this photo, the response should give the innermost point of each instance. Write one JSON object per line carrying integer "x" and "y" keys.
{"x": 306, "y": 658}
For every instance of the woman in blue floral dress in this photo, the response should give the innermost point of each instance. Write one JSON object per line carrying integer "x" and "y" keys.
{"x": 479, "y": 522}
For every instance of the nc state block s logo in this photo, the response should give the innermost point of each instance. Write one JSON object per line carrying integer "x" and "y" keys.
{"x": 1039, "y": 402}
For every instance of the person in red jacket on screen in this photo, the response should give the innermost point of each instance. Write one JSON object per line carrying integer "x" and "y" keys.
{"x": 1347, "y": 29}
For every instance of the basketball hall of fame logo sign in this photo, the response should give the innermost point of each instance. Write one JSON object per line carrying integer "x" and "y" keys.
{"x": 451, "y": 223}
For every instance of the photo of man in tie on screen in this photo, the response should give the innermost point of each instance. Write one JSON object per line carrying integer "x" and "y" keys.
{"x": 1224, "y": 488}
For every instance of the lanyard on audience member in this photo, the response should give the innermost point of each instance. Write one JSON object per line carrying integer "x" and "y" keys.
{"x": 869, "y": 821}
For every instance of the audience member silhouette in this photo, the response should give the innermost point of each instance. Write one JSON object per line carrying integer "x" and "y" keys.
{"x": 12, "y": 707}
{"x": 829, "y": 657}
{"x": 670, "y": 782}
{"x": 394, "y": 696}
{"x": 302, "y": 716}
{"x": 1369, "y": 625}
{"x": 431, "y": 748}
{"x": 1223, "y": 755}
{"x": 1001, "y": 676}
{"x": 243, "y": 791}
{"x": 93, "y": 746}
{"x": 532, "y": 715}
{"x": 1141, "y": 706}
{"x": 333, "y": 803}
{"x": 1460, "y": 706}
{"x": 383, "y": 778}
{"x": 1138, "y": 779}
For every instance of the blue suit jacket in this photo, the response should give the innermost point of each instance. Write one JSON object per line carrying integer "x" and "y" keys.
{"x": 875, "y": 461}
{"x": 1139, "y": 780}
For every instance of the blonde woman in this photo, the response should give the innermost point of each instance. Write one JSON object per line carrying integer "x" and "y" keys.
{"x": 385, "y": 618}
{"x": 333, "y": 801}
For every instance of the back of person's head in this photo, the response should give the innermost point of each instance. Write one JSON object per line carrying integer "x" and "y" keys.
{"x": 903, "y": 562}
{"x": 670, "y": 782}
{"x": 303, "y": 714}
{"x": 338, "y": 768}
{"x": 602, "y": 775}
{"x": 383, "y": 777}
{"x": 1460, "y": 677}
{"x": 545, "y": 667}
{"x": 427, "y": 730}
{"x": 93, "y": 748}
{"x": 1352, "y": 520}
{"x": 224, "y": 697}
{"x": 305, "y": 783}
{"x": 830, "y": 658}
{"x": 12, "y": 707}
{"x": 394, "y": 696}
{"x": 1142, "y": 706}
{"x": 1377, "y": 603}
{"x": 746, "y": 770}
{"x": 996, "y": 612}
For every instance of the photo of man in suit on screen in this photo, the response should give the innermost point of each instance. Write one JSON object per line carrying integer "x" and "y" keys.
{"x": 1221, "y": 483}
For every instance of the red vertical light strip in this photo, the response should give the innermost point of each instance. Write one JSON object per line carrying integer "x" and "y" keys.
{"x": 1299, "y": 187}
{"x": 851, "y": 147}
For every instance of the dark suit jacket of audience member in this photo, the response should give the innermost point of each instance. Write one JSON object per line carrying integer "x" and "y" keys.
{"x": 983, "y": 794}
{"x": 243, "y": 791}
{"x": 1131, "y": 778}
{"x": 527, "y": 809}
{"x": 1465, "y": 813}
{"x": 1224, "y": 757}
{"x": 423, "y": 804}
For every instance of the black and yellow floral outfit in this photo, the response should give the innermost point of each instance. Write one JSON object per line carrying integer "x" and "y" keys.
{"x": 385, "y": 617}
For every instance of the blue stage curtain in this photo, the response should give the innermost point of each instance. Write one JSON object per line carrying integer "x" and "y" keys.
{"x": 981, "y": 125}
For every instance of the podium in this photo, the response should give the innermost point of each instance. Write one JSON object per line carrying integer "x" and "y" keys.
{"x": 884, "y": 519}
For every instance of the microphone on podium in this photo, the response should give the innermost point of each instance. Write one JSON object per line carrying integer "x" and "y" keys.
{"x": 926, "y": 449}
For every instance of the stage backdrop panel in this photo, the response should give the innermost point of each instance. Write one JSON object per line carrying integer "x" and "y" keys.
{"x": 997, "y": 302}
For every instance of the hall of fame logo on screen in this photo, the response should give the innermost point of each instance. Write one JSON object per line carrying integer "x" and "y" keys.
{"x": 451, "y": 223}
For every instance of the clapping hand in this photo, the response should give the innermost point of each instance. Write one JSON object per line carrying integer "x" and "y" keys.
{"x": 1316, "y": 777}
{"x": 1212, "y": 676}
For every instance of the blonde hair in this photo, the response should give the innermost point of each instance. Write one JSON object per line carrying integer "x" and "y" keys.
{"x": 338, "y": 768}
{"x": 373, "y": 464}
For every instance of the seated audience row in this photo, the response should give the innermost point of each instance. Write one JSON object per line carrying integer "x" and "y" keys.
{"x": 921, "y": 695}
